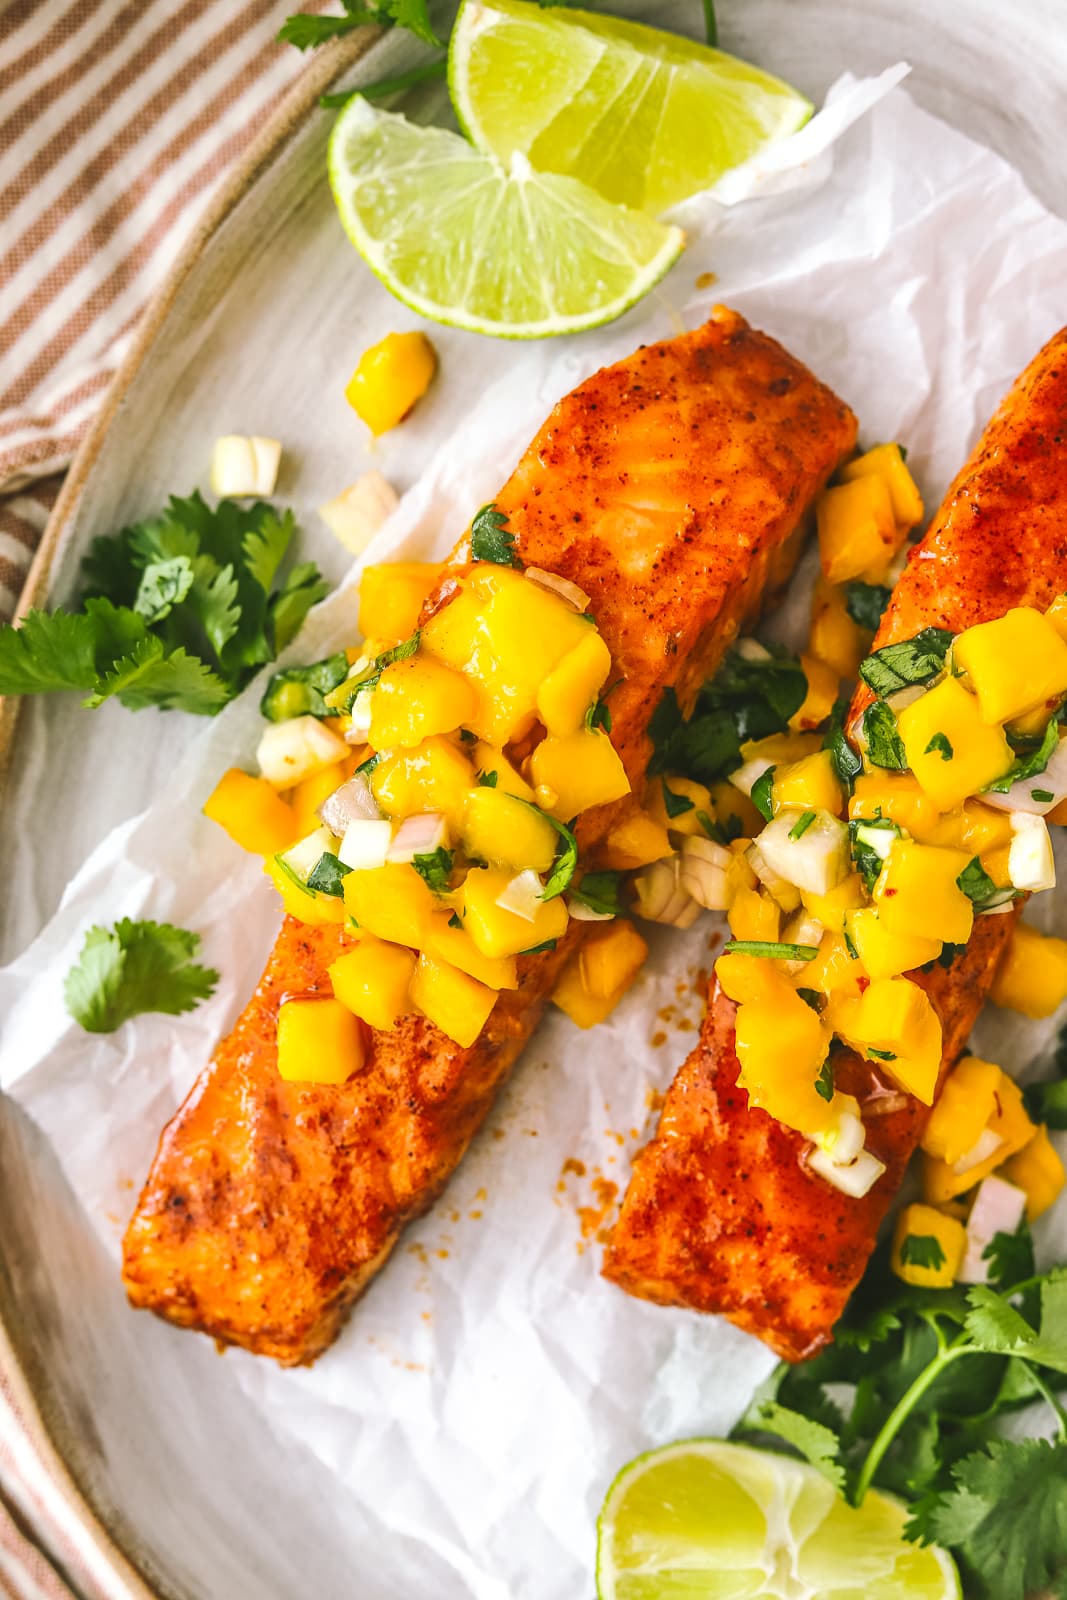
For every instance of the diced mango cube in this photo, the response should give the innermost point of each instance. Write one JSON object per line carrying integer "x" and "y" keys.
{"x": 928, "y": 1247}
{"x": 579, "y": 770}
{"x": 307, "y": 796}
{"x": 734, "y": 811}
{"x": 834, "y": 972}
{"x": 833, "y": 637}
{"x": 950, "y": 749}
{"x": 252, "y": 812}
{"x": 457, "y": 1003}
{"x": 575, "y": 1001}
{"x": 1038, "y": 1171}
{"x": 635, "y": 841}
{"x": 781, "y": 1046}
{"x": 506, "y": 832}
{"x": 300, "y": 902}
{"x": 416, "y": 699}
{"x": 778, "y": 748}
{"x": 887, "y": 462}
{"x": 831, "y": 908}
{"x": 895, "y": 1020}
{"x": 682, "y": 818}
{"x": 965, "y": 1107}
{"x": 319, "y": 1041}
{"x": 810, "y": 782}
{"x": 823, "y": 682}
{"x": 435, "y": 776}
{"x": 744, "y": 977}
{"x": 898, "y": 797}
{"x": 571, "y": 688}
{"x": 392, "y": 595}
{"x": 488, "y": 759}
{"x": 973, "y": 827}
{"x": 390, "y": 377}
{"x": 885, "y": 954}
{"x": 455, "y": 634}
{"x": 858, "y": 534}
{"x": 610, "y": 958}
{"x": 1014, "y": 663}
{"x": 372, "y": 981}
{"x": 1009, "y": 1124}
{"x": 1032, "y": 975}
{"x": 916, "y": 892}
{"x": 754, "y": 915}
{"x": 456, "y": 946}
{"x": 392, "y": 902}
{"x": 498, "y": 932}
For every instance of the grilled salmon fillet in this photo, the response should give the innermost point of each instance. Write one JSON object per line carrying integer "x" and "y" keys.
{"x": 719, "y": 1214}
{"x": 674, "y": 488}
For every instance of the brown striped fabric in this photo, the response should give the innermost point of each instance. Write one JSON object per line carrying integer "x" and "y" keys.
{"x": 118, "y": 121}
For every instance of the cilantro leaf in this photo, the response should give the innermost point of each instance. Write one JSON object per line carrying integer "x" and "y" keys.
{"x": 847, "y": 764}
{"x": 1028, "y": 766}
{"x": 148, "y": 677}
{"x": 306, "y": 32}
{"x": 940, "y": 744}
{"x": 135, "y": 967}
{"x": 994, "y": 1325}
{"x": 747, "y": 699}
{"x": 865, "y": 603}
{"x": 771, "y": 949}
{"x": 491, "y": 539}
{"x": 922, "y": 1250}
{"x": 328, "y": 874}
{"x": 566, "y": 862}
{"x": 866, "y": 857}
{"x": 1047, "y": 1102}
{"x": 50, "y": 650}
{"x": 1010, "y": 1257}
{"x": 916, "y": 660}
{"x": 1006, "y": 1514}
{"x": 885, "y": 747}
{"x": 434, "y": 868}
{"x": 761, "y": 793}
{"x": 824, "y": 1083}
{"x": 817, "y": 1443}
{"x": 600, "y": 892}
{"x": 488, "y": 780}
{"x": 299, "y": 691}
{"x": 674, "y": 804}
{"x": 979, "y": 887}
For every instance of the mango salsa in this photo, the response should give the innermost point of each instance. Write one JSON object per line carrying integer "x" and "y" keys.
{"x": 571, "y": 688}
{"x": 928, "y": 1247}
{"x": 965, "y": 1107}
{"x": 506, "y": 832}
{"x": 834, "y": 638}
{"x": 392, "y": 902}
{"x": 577, "y": 771}
{"x": 488, "y": 759}
{"x": 1038, "y": 1171}
{"x": 372, "y": 981}
{"x": 858, "y": 534}
{"x": 498, "y": 932}
{"x": 1014, "y": 663}
{"x": 319, "y": 1041}
{"x": 886, "y": 461}
{"x": 754, "y": 915}
{"x": 810, "y": 782}
{"x": 831, "y": 908}
{"x": 1032, "y": 975}
{"x": 1009, "y": 1125}
{"x": 435, "y": 776}
{"x": 952, "y": 752}
{"x": 457, "y": 1003}
{"x": 300, "y": 902}
{"x": 416, "y": 699}
{"x": 456, "y": 946}
{"x": 895, "y": 1023}
{"x": 916, "y": 893}
{"x": 392, "y": 595}
{"x": 898, "y": 797}
{"x": 781, "y": 1047}
{"x": 252, "y": 812}
{"x": 885, "y": 954}
{"x": 685, "y": 818}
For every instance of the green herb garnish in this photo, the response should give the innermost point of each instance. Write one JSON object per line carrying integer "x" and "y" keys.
{"x": 941, "y": 744}
{"x": 824, "y": 1083}
{"x": 434, "y": 867}
{"x": 922, "y": 1250}
{"x": 846, "y": 762}
{"x": 299, "y": 691}
{"x": 745, "y": 700}
{"x": 867, "y": 860}
{"x": 771, "y": 949}
{"x": 674, "y": 804}
{"x": 488, "y": 780}
{"x": 305, "y": 32}
{"x": 566, "y": 862}
{"x": 865, "y": 603}
{"x": 535, "y": 949}
{"x": 885, "y": 747}
{"x": 980, "y": 889}
{"x": 1029, "y": 765}
{"x": 132, "y": 968}
{"x": 802, "y": 824}
{"x": 491, "y": 539}
{"x": 761, "y": 793}
{"x": 381, "y": 88}
{"x": 897, "y": 666}
{"x": 600, "y": 892}
{"x": 328, "y": 874}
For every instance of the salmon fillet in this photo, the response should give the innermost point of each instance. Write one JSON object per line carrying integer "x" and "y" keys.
{"x": 675, "y": 488}
{"x": 719, "y": 1214}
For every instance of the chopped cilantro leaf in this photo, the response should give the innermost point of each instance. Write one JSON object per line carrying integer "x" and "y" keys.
{"x": 488, "y": 780}
{"x": 745, "y": 700}
{"x": 454, "y": 921}
{"x": 881, "y": 1055}
{"x": 1029, "y": 765}
{"x": 491, "y": 539}
{"x": 299, "y": 691}
{"x": 566, "y": 862}
{"x": 942, "y": 745}
{"x": 1043, "y": 795}
{"x": 922, "y": 1250}
{"x": 846, "y": 762}
{"x": 536, "y": 949}
{"x": 868, "y": 860}
{"x": 674, "y": 804}
{"x": 132, "y": 968}
{"x": 307, "y": 32}
{"x": 771, "y": 949}
{"x": 761, "y": 793}
{"x": 600, "y": 892}
{"x": 979, "y": 887}
{"x": 328, "y": 874}
{"x": 802, "y": 824}
{"x": 896, "y": 666}
{"x": 865, "y": 603}
{"x": 434, "y": 867}
{"x": 885, "y": 747}
{"x": 824, "y": 1083}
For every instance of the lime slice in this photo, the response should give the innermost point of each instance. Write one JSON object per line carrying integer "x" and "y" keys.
{"x": 705, "y": 1520}
{"x": 516, "y": 253}
{"x": 644, "y": 117}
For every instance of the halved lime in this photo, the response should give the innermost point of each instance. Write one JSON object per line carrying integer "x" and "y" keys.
{"x": 644, "y": 117}
{"x": 706, "y": 1520}
{"x": 513, "y": 252}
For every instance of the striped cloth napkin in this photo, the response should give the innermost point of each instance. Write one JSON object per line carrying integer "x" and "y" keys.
{"x": 119, "y": 119}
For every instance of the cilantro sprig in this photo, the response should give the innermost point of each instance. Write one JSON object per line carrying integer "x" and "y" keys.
{"x": 747, "y": 699}
{"x": 492, "y": 539}
{"x": 179, "y": 611}
{"x": 132, "y": 968}
{"x": 306, "y": 32}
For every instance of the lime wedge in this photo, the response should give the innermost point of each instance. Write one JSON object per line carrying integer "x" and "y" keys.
{"x": 644, "y": 117}
{"x": 517, "y": 253}
{"x": 705, "y": 1520}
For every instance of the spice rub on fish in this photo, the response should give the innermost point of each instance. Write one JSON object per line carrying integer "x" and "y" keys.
{"x": 720, "y": 1215}
{"x": 675, "y": 488}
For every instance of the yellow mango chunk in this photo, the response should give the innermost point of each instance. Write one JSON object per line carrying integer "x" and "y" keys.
{"x": 253, "y": 813}
{"x": 455, "y": 634}
{"x": 610, "y": 959}
{"x": 916, "y": 892}
{"x": 1014, "y": 663}
{"x": 833, "y": 637}
{"x": 834, "y": 972}
{"x": 488, "y": 759}
{"x": 830, "y": 909}
{"x": 391, "y": 376}
{"x": 1032, "y": 975}
{"x": 456, "y": 946}
{"x": 781, "y": 747}
{"x": 392, "y": 595}
{"x": 895, "y": 1023}
{"x": 435, "y": 776}
{"x": 734, "y": 811}
{"x": 808, "y": 783}
{"x": 635, "y": 842}
{"x": 416, "y": 699}
{"x": 683, "y": 818}
{"x": 319, "y": 1041}
{"x": 744, "y": 977}
{"x": 886, "y": 462}
{"x": 965, "y": 1107}
{"x": 754, "y": 915}
{"x": 928, "y": 1247}
{"x": 1009, "y": 1124}
{"x": 950, "y": 749}
{"x": 506, "y": 832}
{"x": 900, "y": 798}
{"x": 818, "y": 702}
{"x": 858, "y": 534}
{"x": 372, "y": 981}
{"x": 973, "y": 827}
{"x": 299, "y": 901}
{"x": 571, "y": 688}
{"x": 307, "y": 796}
{"x": 575, "y": 1001}
{"x": 1038, "y": 1171}
{"x": 781, "y": 1045}
{"x": 392, "y": 902}
{"x": 498, "y": 932}
{"x": 885, "y": 954}
{"x": 576, "y": 772}
{"x": 454, "y": 1001}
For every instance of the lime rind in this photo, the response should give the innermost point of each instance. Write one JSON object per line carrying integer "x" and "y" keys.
{"x": 616, "y": 104}
{"x": 514, "y": 253}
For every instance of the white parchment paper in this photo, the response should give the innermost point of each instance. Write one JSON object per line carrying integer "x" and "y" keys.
{"x": 490, "y": 1384}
